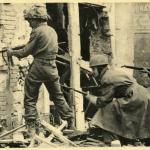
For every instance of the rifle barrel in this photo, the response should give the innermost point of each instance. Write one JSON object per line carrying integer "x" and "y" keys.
{"x": 137, "y": 68}
{"x": 133, "y": 67}
{"x": 81, "y": 92}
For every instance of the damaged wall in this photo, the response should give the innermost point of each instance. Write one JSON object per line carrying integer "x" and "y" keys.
{"x": 142, "y": 41}
{"x": 14, "y": 31}
{"x": 123, "y": 35}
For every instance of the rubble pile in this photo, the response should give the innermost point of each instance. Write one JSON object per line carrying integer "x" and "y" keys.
{"x": 50, "y": 136}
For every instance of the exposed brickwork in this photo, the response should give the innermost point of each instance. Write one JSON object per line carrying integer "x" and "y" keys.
{"x": 99, "y": 44}
{"x": 7, "y": 21}
{"x": 14, "y": 31}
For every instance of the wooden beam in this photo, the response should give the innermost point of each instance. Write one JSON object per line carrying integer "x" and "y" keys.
{"x": 112, "y": 21}
{"x": 75, "y": 52}
{"x": 11, "y": 131}
{"x": 45, "y": 141}
{"x": 51, "y": 136}
{"x": 57, "y": 133}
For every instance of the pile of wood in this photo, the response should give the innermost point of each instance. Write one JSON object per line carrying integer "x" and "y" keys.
{"x": 39, "y": 140}
{"x": 54, "y": 137}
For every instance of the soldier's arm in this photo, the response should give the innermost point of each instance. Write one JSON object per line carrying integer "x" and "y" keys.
{"x": 105, "y": 99}
{"x": 101, "y": 101}
{"x": 28, "y": 49}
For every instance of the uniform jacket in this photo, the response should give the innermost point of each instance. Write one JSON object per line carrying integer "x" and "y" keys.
{"x": 43, "y": 43}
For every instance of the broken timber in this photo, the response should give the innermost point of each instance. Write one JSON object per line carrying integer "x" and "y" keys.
{"x": 11, "y": 131}
{"x": 45, "y": 141}
{"x": 51, "y": 136}
{"x": 57, "y": 133}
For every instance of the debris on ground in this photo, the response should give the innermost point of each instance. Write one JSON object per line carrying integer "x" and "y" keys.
{"x": 56, "y": 137}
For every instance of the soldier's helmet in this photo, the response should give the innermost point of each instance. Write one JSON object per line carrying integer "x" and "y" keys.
{"x": 98, "y": 60}
{"x": 37, "y": 11}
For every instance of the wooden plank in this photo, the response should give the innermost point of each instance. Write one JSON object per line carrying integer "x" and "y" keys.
{"x": 51, "y": 136}
{"x": 45, "y": 141}
{"x": 11, "y": 131}
{"x": 7, "y": 141}
{"x": 57, "y": 133}
{"x": 75, "y": 51}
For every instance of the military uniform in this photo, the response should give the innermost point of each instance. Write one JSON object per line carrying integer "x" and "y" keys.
{"x": 43, "y": 46}
{"x": 124, "y": 105}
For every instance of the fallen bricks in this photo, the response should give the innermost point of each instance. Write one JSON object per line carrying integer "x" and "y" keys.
{"x": 77, "y": 139}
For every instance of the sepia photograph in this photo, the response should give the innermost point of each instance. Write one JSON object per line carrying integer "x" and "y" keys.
{"x": 74, "y": 74}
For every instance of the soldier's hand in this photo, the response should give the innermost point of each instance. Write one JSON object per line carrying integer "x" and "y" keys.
{"x": 88, "y": 96}
{"x": 9, "y": 52}
{"x": 91, "y": 98}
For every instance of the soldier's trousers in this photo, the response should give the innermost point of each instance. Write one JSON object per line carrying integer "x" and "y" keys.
{"x": 44, "y": 71}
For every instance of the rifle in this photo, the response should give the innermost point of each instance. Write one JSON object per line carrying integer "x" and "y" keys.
{"x": 143, "y": 69}
{"x": 81, "y": 92}
{"x": 70, "y": 88}
{"x": 78, "y": 91}
{"x": 4, "y": 49}
{"x": 87, "y": 72}
{"x": 90, "y": 87}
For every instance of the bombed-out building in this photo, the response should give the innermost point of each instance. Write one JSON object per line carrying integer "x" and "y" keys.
{"x": 118, "y": 30}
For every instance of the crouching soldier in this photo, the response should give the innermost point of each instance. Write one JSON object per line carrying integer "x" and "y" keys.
{"x": 43, "y": 46}
{"x": 124, "y": 105}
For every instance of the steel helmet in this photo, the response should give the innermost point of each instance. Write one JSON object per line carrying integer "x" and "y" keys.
{"x": 37, "y": 11}
{"x": 98, "y": 60}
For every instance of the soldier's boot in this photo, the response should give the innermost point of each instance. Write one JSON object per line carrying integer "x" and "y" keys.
{"x": 107, "y": 138}
{"x": 31, "y": 131}
{"x": 71, "y": 125}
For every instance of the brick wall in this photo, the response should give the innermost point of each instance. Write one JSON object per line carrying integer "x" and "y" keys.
{"x": 100, "y": 39}
{"x": 14, "y": 31}
{"x": 7, "y": 24}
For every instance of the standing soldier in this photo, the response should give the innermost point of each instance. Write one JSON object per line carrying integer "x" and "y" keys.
{"x": 124, "y": 105}
{"x": 43, "y": 46}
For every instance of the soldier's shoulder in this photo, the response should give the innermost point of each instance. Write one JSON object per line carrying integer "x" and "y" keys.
{"x": 117, "y": 71}
{"x": 45, "y": 28}
{"x": 117, "y": 76}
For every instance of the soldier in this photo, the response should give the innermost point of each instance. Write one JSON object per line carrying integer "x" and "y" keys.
{"x": 43, "y": 46}
{"x": 124, "y": 105}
